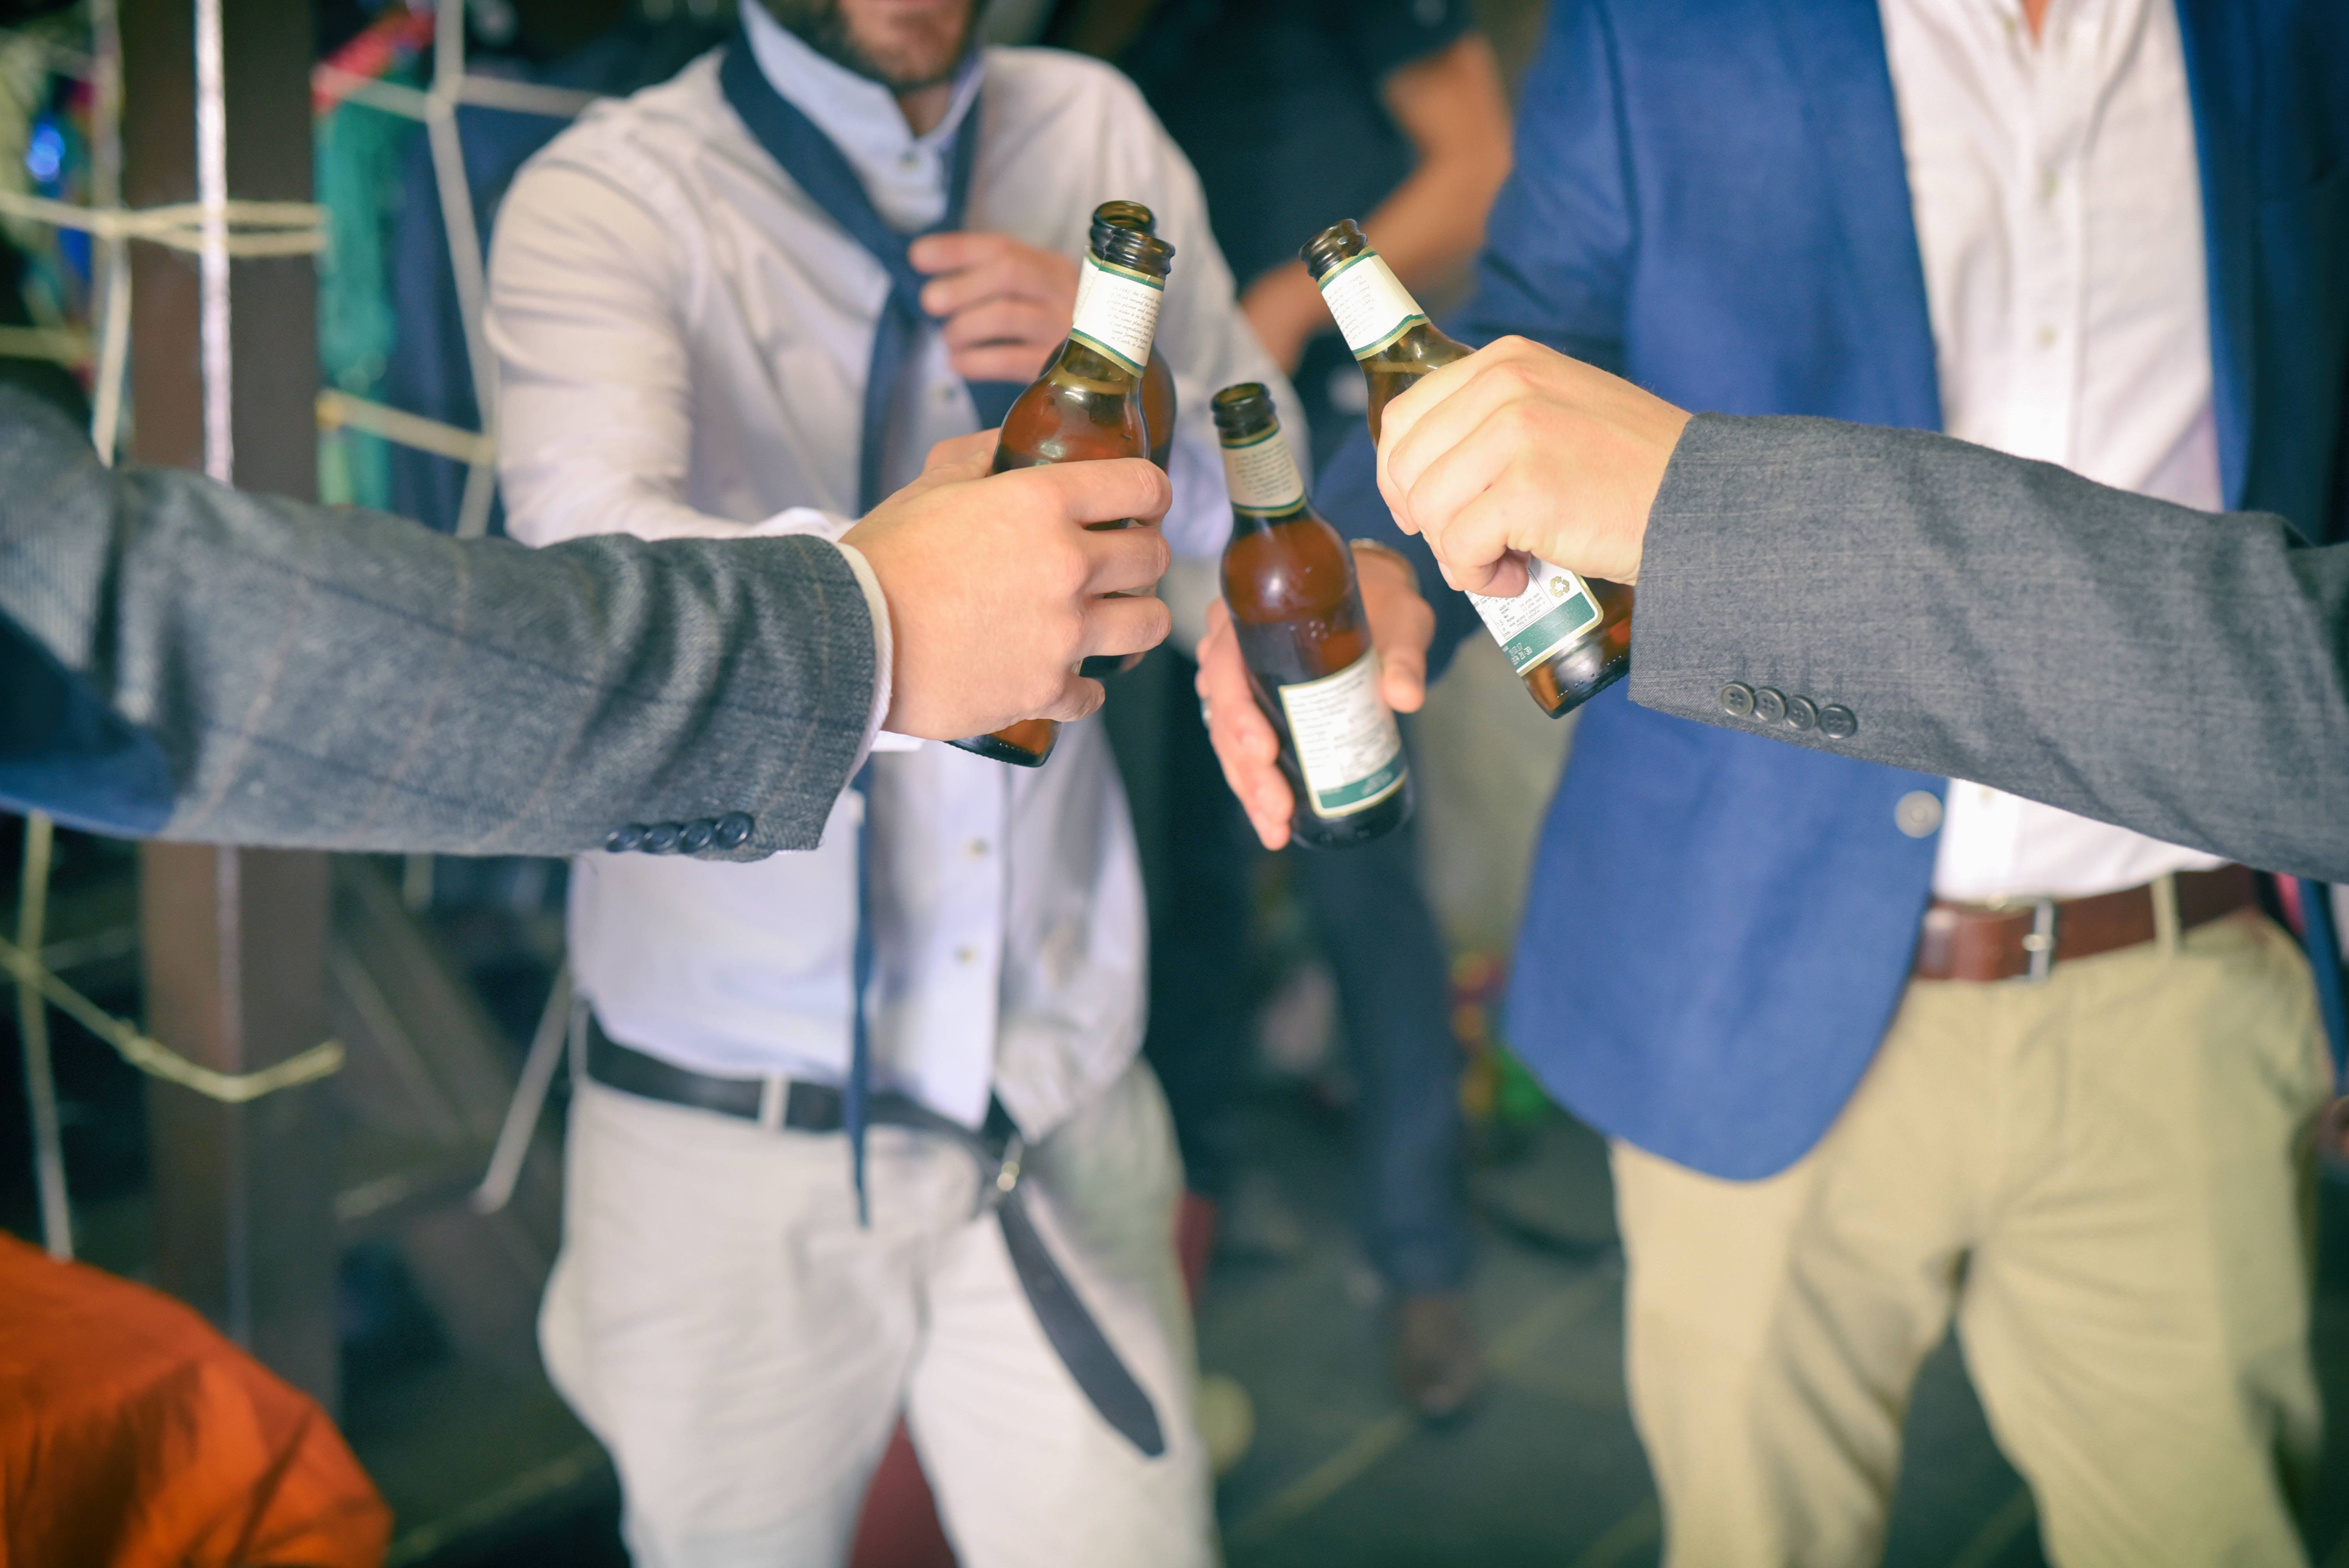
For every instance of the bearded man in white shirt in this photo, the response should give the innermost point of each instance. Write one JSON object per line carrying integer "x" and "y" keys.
{"x": 708, "y": 320}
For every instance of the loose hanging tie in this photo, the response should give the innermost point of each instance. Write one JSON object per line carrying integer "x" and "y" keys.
{"x": 819, "y": 167}
{"x": 823, "y": 171}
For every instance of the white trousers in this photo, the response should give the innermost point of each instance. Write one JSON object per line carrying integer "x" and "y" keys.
{"x": 718, "y": 1318}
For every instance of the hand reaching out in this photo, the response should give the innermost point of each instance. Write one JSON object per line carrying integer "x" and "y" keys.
{"x": 1400, "y": 628}
{"x": 997, "y": 589}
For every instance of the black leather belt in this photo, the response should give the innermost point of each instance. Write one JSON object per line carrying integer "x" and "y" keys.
{"x": 798, "y": 1106}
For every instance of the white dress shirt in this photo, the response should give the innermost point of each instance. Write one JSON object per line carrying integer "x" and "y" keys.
{"x": 2058, "y": 206}
{"x": 683, "y": 338}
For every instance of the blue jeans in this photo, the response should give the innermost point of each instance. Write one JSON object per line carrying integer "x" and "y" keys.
{"x": 1372, "y": 919}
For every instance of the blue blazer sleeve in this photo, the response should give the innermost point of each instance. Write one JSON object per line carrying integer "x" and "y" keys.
{"x": 1558, "y": 253}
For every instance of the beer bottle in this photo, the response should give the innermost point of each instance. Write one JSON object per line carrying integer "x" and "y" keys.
{"x": 1157, "y": 387}
{"x": 1086, "y": 405}
{"x": 1567, "y": 636}
{"x": 1158, "y": 406}
{"x": 1289, "y": 581}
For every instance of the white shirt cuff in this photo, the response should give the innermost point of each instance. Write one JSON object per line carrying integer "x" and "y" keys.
{"x": 875, "y": 738}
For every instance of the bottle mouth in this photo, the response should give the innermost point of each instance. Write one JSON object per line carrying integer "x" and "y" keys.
{"x": 1111, "y": 216}
{"x": 1120, "y": 245}
{"x": 1340, "y": 242}
{"x": 1244, "y": 412}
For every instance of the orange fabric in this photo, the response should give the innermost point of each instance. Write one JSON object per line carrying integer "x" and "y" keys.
{"x": 132, "y": 1435}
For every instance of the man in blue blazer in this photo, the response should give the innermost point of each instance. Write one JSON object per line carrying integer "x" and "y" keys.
{"x": 1877, "y": 1049}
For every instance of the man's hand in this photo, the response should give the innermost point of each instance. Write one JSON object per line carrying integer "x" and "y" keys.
{"x": 1005, "y": 305}
{"x": 1400, "y": 627}
{"x": 1520, "y": 450}
{"x": 995, "y": 586}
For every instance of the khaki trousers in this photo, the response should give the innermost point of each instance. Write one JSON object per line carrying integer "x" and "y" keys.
{"x": 2106, "y": 1177}
{"x": 743, "y": 1348}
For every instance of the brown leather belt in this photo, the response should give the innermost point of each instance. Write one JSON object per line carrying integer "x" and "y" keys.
{"x": 2024, "y": 941}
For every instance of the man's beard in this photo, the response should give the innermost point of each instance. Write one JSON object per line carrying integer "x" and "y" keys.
{"x": 819, "y": 26}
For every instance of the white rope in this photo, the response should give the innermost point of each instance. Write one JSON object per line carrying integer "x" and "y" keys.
{"x": 464, "y": 248}
{"x": 33, "y": 1030}
{"x": 340, "y": 410}
{"x": 212, "y": 256}
{"x": 249, "y": 228}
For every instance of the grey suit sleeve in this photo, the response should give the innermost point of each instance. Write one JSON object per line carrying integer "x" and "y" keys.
{"x": 343, "y": 680}
{"x": 2183, "y": 673}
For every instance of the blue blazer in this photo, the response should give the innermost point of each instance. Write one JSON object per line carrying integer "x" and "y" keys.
{"x": 1710, "y": 198}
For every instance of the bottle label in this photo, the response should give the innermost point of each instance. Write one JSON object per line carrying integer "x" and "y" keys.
{"x": 1347, "y": 743}
{"x": 1556, "y": 609}
{"x": 1117, "y": 313}
{"x": 1370, "y": 307}
{"x": 1263, "y": 476}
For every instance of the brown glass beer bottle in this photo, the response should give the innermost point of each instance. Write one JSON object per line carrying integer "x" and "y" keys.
{"x": 1289, "y": 581}
{"x": 1158, "y": 405}
{"x": 1568, "y": 636}
{"x": 1087, "y": 405}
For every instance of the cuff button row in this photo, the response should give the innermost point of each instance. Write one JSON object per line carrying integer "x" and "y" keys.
{"x": 731, "y": 831}
{"x": 1767, "y": 704}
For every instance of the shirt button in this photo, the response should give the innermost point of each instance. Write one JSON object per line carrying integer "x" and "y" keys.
{"x": 1919, "y": 813}
{"x": 1838, "y": 723}
{"x": 1737, "y": 699}
{"x": 1769, "y": 705}
{"x": 976, "y": 848}
{"x": 1801, "y": 713}
{"x": 965, "y": 955}
{"x": 2046, "y": 338}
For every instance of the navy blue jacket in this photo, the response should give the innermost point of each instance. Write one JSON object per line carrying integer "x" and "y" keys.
{"x": 1710, "y": 198}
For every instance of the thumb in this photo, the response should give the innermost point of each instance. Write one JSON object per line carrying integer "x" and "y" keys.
{"x": 1402, "y": 678}
{"x": 1078, "y": 697}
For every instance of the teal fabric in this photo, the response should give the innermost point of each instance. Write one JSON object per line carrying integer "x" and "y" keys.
{"x": 360, "y": 152}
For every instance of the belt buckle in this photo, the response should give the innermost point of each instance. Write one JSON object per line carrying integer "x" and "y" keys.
{"x": 2040, "y": 944}
{"x": 1006, "y": 1174}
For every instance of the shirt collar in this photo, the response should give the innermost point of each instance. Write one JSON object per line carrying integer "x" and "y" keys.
{"x": 860, "y": 115}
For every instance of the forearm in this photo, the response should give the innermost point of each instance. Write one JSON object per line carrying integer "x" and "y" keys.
{"x": 347, "y": 680}
{"x": 2010, "y": 623}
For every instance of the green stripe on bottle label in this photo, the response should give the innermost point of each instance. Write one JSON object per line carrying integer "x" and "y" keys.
{"x": 1554, "y": 609}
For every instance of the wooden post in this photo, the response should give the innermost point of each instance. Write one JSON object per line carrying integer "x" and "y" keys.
{"x": 234, "y": 939}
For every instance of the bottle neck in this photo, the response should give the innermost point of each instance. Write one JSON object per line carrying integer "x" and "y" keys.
{"x": 1372, "y": 307}
{"x": 1116, "y": 317}
{"x": 1265, "y": 484}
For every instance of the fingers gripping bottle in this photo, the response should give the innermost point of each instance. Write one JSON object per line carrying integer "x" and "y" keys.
{"x": 1289, "y": 581}
{"x": 1567, "y": 636}
{"x": 1087, "y": 405}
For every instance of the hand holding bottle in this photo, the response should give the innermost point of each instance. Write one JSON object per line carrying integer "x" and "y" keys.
{"x": 1401, "y": 625}
{"x": 996, "y": 585}
{"x": 1520, "y": 450}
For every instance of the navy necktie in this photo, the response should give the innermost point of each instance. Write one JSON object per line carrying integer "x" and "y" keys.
{"x": 820, "y": 169}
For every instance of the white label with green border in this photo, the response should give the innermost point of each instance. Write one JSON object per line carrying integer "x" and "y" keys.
{"x": 1556, "y": 608}
{"x": 1347, "y": 743}
{"x": 1263, "y": 476}
{"x": 1371, "y": 308}
{"x": 1117, "y": 313}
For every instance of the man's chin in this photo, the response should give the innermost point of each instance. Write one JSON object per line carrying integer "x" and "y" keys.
{"x": 904, "y": 54}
